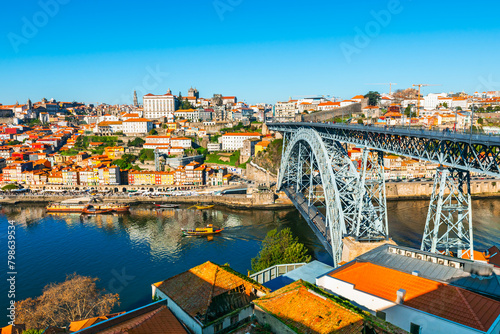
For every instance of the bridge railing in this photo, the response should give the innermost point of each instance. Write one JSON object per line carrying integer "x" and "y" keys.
{"x": 270, "y": 273}
{"x": 462, "y": 135}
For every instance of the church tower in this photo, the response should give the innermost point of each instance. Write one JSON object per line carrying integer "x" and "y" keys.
{"x": 136, "y": 104}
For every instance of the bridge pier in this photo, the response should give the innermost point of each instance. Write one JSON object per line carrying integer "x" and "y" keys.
{"x": 371, "y": 223}
{"x": 353, "y": 248}
{"x": 448, "y": 227}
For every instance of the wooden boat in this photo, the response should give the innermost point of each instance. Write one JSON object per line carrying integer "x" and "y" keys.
{"x": 202, "y": 207}
{"x": 201, "y": 231}
{"x": 78, "y": 207}
{"x": 90, "y": 209}
{"x": 167, "y": 206}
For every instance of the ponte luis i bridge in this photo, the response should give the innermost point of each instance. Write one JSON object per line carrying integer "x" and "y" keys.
{"x": 339, "y": 199}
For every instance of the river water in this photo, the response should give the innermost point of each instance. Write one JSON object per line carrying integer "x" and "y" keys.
{"x": 129, "y": 252}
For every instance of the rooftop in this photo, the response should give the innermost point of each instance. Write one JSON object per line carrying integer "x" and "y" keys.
{"x": 202, "y": 291}
{"x": 298, "y": 306}
{"x": 442, "y": 300}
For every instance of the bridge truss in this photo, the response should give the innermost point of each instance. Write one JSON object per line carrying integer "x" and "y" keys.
{"x": 316, "y": 172}
{"x": 333, "y": 196}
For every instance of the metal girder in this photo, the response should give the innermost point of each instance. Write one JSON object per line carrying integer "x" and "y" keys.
{"x": 448, "y": 226}
{"x": 472, "y": 152}
{"x": 371, "y": 223}
{"x": 319, "y": 163}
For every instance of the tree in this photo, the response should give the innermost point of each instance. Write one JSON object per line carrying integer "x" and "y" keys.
{"x": 137, "y": 142}
{"x": 373, "y": 98}
{"x": 280, "y": 248}
{"x": 147, "y": 154}
{"x": 480, "y": 121}
{"x": 360, "y": 121}
{"x": 153, "y": 132}
{"x": 74, "y": 299}
{"x": 10, "y": 187}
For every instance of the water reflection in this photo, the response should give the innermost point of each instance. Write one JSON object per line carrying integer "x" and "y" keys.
{"x": 148, "y": 243}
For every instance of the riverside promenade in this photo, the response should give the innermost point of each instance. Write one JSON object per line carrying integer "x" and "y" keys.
{"x": 261, "y": 200}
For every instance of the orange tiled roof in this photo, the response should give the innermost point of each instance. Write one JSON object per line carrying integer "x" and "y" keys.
{"x": 137, "y": 120}
{"x": 190, "y": 290}
{"x": 296, "y": 305}
{"x": 243, "y": 134}
{"x": 445, "y": 301}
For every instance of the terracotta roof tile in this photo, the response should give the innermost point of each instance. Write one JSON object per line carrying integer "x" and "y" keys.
{"x": 191, "y": 290}
{"x": 298, "y": 306}
{"x": 445, "y": 301}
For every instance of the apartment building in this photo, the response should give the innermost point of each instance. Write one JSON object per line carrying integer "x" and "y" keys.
{"x": 235, "y": 141}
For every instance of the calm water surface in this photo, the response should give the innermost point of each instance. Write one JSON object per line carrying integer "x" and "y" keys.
{"x": 130, "y": 252}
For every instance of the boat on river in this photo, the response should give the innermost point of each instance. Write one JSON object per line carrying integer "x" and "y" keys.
{"x": 92, "y": 210}
{"x": 202, "y": 231}
{"x": 166, "y": 206}
{"x": 80, "y": 205}
{"x": 202, "y": 207}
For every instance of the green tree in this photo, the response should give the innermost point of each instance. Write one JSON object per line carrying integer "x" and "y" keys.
{"x": 34, "y": 331}
{"x": 126, "y": 161}
{"x": 137, "y": 142}
{"x": 153, "y": 132}
{"x": 480, "y": 121}
{"x": 280, "y": 248}
{"x": 10, "y": 187}
{"x": 373, "y": 98}
{"x": 147, "y": 154}
{"x": 360, "y": 121}
{"x": 445, "y": 105}
{"x": 34, "y": 122}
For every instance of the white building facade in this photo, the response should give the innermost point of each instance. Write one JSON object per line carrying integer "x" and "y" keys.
{"x": 234, "y": 141}
{"x": 137, "y": 126}
{"x": 159, "y": 106}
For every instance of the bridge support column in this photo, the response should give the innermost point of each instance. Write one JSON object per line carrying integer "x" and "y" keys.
{"x": 448, "y": 227}
{"x": 371, "y": 224}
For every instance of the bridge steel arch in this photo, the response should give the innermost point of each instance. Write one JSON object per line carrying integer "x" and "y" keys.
{"x": 308, "y": 141}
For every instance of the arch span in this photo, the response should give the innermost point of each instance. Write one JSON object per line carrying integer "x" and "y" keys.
{"x": 307, "y": 141}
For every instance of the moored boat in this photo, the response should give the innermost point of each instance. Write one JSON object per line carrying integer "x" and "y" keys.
{"x": 91, "y": 209}
{"x": 201, "y": 231}
{"x": 80, "y": 204}
{"x": 202, "y": 207}
{"x": 167, "y": 206}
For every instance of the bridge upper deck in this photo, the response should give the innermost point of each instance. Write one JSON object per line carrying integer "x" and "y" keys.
{"x": 475, "y": 152}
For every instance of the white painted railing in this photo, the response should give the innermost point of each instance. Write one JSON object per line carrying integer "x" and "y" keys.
{"x": 270, "y": 273}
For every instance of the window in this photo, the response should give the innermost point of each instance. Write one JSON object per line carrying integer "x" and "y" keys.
{"x": 415, "y": 329}
{"x": 381, "y": 315}
{"x": 218, "y": 327}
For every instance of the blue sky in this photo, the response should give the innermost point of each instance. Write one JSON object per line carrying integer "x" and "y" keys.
{"x": 260, "y": 51}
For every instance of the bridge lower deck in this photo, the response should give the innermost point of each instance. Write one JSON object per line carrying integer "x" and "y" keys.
{"x": 314, "y": 218}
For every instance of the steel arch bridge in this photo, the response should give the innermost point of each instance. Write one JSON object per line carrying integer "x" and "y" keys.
{"x": 338, "y": 199}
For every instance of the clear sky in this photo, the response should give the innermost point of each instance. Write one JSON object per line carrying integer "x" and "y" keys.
{"x": 260, "y": 51}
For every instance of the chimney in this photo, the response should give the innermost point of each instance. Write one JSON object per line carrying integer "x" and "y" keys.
{"x": 400, "y": 296}
{"x": 415, "y": 273}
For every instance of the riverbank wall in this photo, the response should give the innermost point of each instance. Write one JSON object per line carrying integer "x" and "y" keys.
{"x": 263, "y": 200}
{"x": 423, "y": 190}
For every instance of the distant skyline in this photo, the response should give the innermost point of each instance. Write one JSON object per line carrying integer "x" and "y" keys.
{"x": 100, "y": 51}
